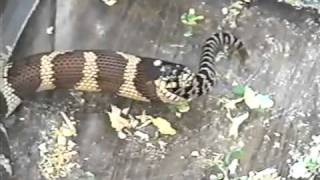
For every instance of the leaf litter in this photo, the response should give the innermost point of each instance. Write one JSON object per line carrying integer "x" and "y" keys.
{"x": 58, "y": 152}
{"x": 252, "y": 99}
{"x": 136, "y": 123}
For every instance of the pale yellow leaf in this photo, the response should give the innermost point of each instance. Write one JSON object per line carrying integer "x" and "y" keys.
{"x": 67, "y": 132}
{"x": 250, "y": 98}
{"x": 164, "y": 126}
{"x": 61, "y": 140}
{"x": 118, "y": 122}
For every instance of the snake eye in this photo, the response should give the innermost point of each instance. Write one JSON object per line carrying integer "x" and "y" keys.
{"x": 157, "y": 62}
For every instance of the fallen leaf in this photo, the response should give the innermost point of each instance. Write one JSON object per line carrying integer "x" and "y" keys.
{"x": 190, "y": 17}
{"x": 57, "y": 153}
{"x": 61, "y": 140}
{"x": 239, "y": 90}
{"x": 67, "y": 132}
{"x": 110, "y": 2}
{"x": 118, "y": 122}
{"x": 255, "y": 101}
{"x": 236, "y": 122}
{"x": 250, "y": 98}
{"x": 237, "y": 153}
{"x": 125, "y": 110}
{"x": 264, "y": 101}
{"x": 164, "y": 126}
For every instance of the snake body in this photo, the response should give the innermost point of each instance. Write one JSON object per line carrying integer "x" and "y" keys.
{"x": 139, "y": 78}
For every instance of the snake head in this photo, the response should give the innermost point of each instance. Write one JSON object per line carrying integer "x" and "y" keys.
{"x": 176, "y": 75}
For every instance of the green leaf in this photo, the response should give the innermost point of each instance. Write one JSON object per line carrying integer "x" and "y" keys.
{"x": 234, "y": 154}
{"x": 312, "y": 165}
{"x": 190, "y": 17}
{"x": 239, "y": 90}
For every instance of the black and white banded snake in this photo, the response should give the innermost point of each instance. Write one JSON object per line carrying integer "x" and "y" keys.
{"x": 134, "y": 77}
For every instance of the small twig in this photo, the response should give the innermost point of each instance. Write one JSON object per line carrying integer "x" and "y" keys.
{"x": 67, "y": 120}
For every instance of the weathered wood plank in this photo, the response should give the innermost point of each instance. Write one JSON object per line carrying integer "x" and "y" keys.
{"x": 283, "y": 62}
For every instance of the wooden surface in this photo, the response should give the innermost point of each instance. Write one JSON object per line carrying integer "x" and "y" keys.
{"x": 284, "y": 62}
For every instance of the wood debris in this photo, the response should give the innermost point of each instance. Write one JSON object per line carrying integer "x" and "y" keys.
{"x": 58, "y": 152}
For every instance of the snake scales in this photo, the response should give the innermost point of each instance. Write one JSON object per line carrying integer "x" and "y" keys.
{"x": 135, "y": 77}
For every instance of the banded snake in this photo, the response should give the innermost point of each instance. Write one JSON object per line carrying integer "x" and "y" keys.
{"x": 134, "y": 77}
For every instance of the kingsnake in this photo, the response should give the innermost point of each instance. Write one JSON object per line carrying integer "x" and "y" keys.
{"x": 135, "y": 77}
